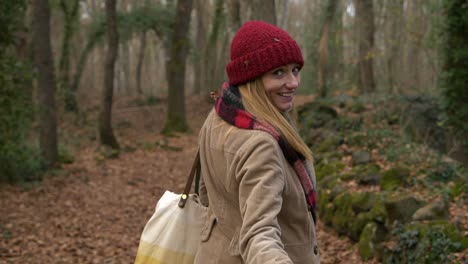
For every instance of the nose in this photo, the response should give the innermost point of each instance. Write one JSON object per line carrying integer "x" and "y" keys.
{"x": 292, "y": 81}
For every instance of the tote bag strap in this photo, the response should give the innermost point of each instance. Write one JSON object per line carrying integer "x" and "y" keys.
{"x": 195, "y": 170}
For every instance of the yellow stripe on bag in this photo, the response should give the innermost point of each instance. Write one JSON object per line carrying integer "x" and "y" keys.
{"x": 151, "y": 254}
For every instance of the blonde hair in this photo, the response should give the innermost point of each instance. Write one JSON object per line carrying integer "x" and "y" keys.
{"x": 257, "y": 102}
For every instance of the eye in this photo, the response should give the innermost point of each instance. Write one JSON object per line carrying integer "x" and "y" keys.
{"x": 278, "y": 72}
{"x": 296, "y": 70}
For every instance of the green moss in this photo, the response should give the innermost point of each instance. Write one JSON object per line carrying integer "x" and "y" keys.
{"x": 347, "y": 219}
{"x": 348, "y": 123}
{"x": 362, "y": 202}
{"x": 329, "y": 144}
{"x": 357, "y": 107}
{"x": 324, "y": 195}
{"x": 358, "y": 140}
{"x": 323, "y": 170}
{"x": 360, "y": 171}
{"x": 366, "y": 245}
{"x": 358, "y": 224}
{"x": 378, "y": 212}
{"x": 328, "y": 182}
{"x": 394, "y": 178}
{"x": 343, "y": 213}
{"x": 325, "y": 205}
{"x": 401, "y": 207}
{"x": 368, "y": 208}
{"x": 459, "y": 188}
{"x": 327, "y": 157}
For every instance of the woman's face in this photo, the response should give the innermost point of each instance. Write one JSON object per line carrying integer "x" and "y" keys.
{"x": 281, "y": 84}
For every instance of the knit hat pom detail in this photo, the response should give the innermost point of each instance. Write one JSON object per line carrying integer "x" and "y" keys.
{"x": 259, "y": 47}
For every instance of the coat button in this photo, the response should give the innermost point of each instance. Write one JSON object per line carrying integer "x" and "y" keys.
{"x": 315, "y": 250}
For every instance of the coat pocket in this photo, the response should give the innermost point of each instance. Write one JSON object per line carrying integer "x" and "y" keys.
{"x": 208, "y": 227}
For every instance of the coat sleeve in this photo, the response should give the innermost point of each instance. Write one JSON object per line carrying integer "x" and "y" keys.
{"x": 261, "y": 183}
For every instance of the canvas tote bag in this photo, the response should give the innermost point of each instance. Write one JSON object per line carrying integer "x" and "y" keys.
{"x": 172, "y": 234}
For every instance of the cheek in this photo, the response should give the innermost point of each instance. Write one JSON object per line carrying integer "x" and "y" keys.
{"x": 271, "y": 85}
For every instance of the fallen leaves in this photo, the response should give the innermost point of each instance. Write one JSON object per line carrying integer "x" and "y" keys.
{"x": 94, "y": 210}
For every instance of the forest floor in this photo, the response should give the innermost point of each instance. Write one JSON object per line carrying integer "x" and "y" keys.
{"x": 93, "y": 210}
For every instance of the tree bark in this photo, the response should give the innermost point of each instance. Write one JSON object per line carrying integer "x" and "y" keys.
{"x": 211, "y": 53}
{"x": 200, "y": 68}
{"x": 175, "y": 69}
{"x": 323, "y": 48}
{"x": 394, "y": 14}
{"x": 365, "y": 15}
{"x": 235, "y": 18}
{"x": 70, "y": 12}
{"x": 46, "y": 80}
{"x": 264, "y": 10}
{"x": 141, "y": 56}
{"x": 105, "y": 118}
{"x": 82, "y": 63}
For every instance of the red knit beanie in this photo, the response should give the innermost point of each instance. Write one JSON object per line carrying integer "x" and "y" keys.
{"x": 259, "y": 47}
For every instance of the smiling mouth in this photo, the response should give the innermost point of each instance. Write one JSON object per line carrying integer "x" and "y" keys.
{"x": 286, "y": 94}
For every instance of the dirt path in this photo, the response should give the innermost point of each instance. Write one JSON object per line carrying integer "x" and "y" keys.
{"x": 93, "y": 211}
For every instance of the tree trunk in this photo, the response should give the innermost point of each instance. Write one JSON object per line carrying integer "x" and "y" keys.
{"x": 264, "y": 10}
{"x": 323, "y": 48}
{"x": 365, "y": 15}
{"x": 46, "y": 80}
{"x": 283, "y": 14}
{"x": 393, "y": 42}
{"x": 70, "y": 13}
{"x": 235, "y": 18}
{"x": 82, "y": 63}
{"x": 211, "y": 53}
{"x": 23, "y": 48}
{"x": 105, "y": 118}
{"x": 141, "y": 56}
{"x": 175, "y": 69}
{"x": 454, "y": 78}
{"x": 200, "y": 68}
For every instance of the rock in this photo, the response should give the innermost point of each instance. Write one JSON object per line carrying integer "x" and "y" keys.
{"x": 364, "y": 174}
{"x": 372, "y": 234}
{"x": 358, "y": 224}
{"x": 343, "y": 214}
{"x": 434, "y": 211}
{"x": 375, "y": 213}
{"x": 351, "y": 212}
{"x": 401, "y": 208}
{"x": 362, "y": 202}
{"x": 316, "y": 114}
{"x": 394, "y": 178}
{"x": 361, "y": 157}
{"x": 315, "y": 137}
{"x": 369, "y": 179}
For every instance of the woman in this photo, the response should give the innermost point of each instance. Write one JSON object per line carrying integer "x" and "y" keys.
{"x": 255, "y": 176}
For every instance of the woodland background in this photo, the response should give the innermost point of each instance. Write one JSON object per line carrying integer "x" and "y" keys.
{"x": 103, "y": 96}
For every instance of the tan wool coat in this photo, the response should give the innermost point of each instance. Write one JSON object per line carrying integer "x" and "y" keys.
{"x": 258, "y": 213}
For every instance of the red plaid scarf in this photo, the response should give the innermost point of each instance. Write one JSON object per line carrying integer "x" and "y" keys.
{"x": 230, "y": 108}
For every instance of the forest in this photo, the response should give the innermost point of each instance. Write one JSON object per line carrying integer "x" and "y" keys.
{"x": 102, "y": 101}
